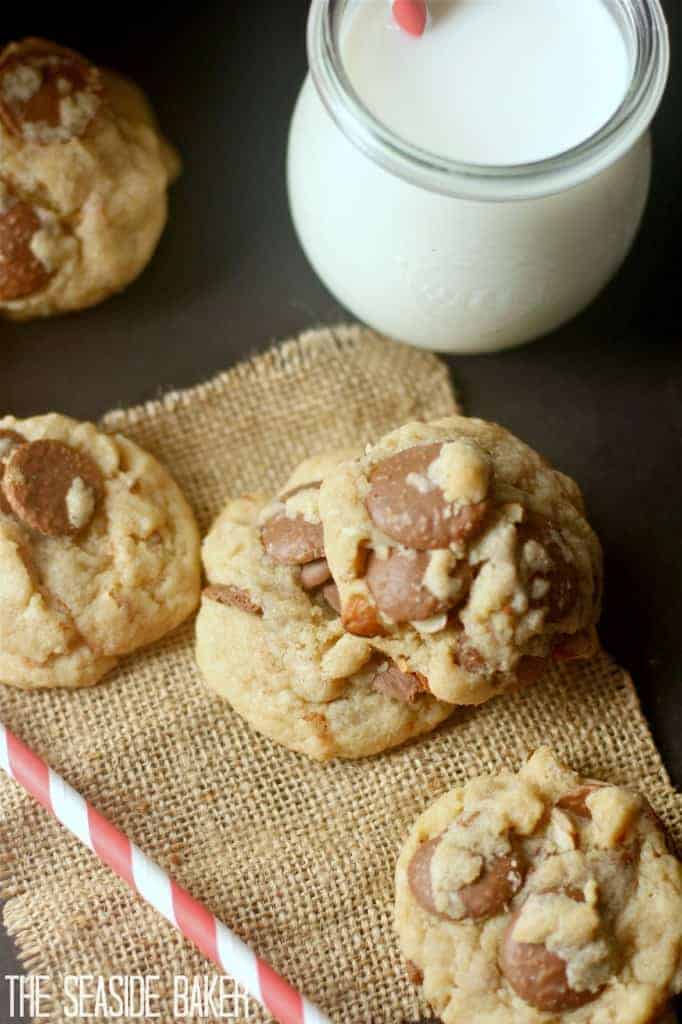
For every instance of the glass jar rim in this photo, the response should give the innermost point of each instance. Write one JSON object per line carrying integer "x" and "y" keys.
{"x": 646, "y": 26}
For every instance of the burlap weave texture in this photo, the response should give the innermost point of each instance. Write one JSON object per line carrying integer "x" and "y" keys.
{"x": 297, "y": 857}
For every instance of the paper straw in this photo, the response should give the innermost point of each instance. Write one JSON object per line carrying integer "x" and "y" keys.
{"x": 194, "y": 921}
{"x": 411, "y": 15}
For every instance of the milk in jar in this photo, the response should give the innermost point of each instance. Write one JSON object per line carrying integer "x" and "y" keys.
{"x": 490, "y": 81}
{"x": 474, "y": 188}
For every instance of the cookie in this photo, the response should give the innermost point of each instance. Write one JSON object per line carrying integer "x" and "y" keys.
{"x": 541, "y": 897}
{"x": 99, "y": 552}
{"x": 456, "y": 547}
{"x": 270, "y": 640}
{"x": 83, "y": 179}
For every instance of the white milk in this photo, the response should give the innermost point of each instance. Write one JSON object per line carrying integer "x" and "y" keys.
{"x": 491, "y": 81}
{"x": 473, "y": 259}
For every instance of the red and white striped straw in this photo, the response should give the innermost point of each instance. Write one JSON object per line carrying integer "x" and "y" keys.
{"x": 411, "y": 15}
{"x": 194, "y": 921}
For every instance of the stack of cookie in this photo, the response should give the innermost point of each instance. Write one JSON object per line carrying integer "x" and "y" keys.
{"x": 381, "y": 589}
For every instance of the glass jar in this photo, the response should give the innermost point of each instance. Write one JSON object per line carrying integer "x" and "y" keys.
{"x": 466, "y": 257}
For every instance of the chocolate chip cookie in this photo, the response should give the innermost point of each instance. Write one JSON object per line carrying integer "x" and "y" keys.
{"x": 270, "y": 640}
{"x": 457, "y": 548}
{"x": 83, "y": 180}
{"x": 99, "y": 552}
{"x": 541, "y": 898}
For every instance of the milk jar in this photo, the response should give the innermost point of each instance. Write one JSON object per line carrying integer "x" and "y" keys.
{"x": 472, "y": 189}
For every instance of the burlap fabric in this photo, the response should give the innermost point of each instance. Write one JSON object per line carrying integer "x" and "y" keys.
{"x": 298, "y": 858}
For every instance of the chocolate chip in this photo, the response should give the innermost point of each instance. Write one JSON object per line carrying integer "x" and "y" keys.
{"x": 575, "y": 646}
{"x": 560, "y": 576}
{"x": 493, "y": 891}
{"x": 9, "y": 440}
{"x": 529, "y": 668}
{"x": 47, "y": 93}
{"x": 52, "y": 487}
{"x": 360, "y": 617}
{"x": 21, "y": 272}
{"x": 331, "y": 595}
{"x": 538, "y": 976}
{"x": 293, "y": 541}
{"x": 314, "y": 574}
{"x": 403, "y": 686}
{"x": 467, "y": 657}
{"x": 414, "y": 973}
{"x": 396, "y": 585}
{"x": 236, "y": 597}
{"x": 576, "y": 802}
{"x": 490, "y": 894}
{"x": 419, "y": 875}
{"x": 418, "y": 516}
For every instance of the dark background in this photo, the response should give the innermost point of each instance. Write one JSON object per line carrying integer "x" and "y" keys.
{"x": 601, "y": 397}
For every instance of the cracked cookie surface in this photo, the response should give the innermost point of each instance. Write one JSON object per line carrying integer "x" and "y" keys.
{"x": 270, "y": 641}
{"x": 541, "y": 898}
{"x": 458, "y": 548}
{"x": 99, "y": 552}
{"x": 84, "y": 174}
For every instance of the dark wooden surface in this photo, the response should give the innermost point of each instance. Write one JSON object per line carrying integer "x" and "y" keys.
{"x": 601, "y": 398}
